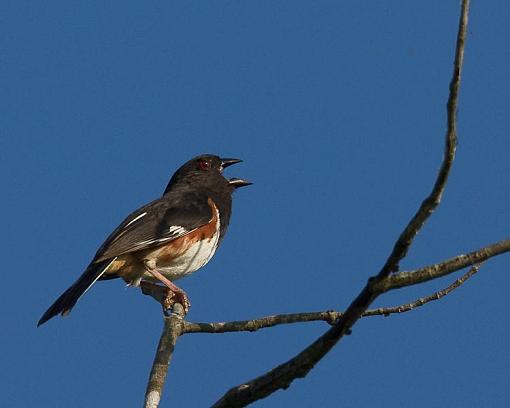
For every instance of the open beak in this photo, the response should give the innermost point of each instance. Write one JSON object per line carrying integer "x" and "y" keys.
{"x": 229, "y": 162}
{"x": 234, "y": 182}
{"x": 237, "y": 182}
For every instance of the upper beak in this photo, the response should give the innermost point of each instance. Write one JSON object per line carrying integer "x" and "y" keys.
{"x": 229, "y": 162}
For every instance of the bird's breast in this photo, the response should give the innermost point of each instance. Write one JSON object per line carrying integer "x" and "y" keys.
{"x": 188, "y": 253}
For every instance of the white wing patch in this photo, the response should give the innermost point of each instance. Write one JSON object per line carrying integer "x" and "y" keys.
{"x": 153, "y": 241}
{"x": 135, "y": 219}
{"x": 177, "y": 230}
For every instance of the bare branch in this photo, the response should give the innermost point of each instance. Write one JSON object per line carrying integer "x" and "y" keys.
{"x": 171, "y": 332}
{"x": 282, "y": 376}
{"x": 432, "y": 201}
{"x": 399, "y": 280}
{"x": 329, "y": 316}
{"x": 261, "y": 323}
{"x": 430, "y": 272}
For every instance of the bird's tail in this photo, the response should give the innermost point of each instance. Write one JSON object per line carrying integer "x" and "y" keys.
{"x": 68, "y": 299}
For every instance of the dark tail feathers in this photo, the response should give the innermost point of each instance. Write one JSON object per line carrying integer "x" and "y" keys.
{"x": 68, "y": 299}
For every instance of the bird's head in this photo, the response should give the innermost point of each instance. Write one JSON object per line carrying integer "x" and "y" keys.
{"x": 207, "y": 170}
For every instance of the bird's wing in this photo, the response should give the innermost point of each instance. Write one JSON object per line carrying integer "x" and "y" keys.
{"x": 158, "y": 222}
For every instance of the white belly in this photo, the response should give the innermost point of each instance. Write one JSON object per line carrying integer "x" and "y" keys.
{"x": 194, "y": 258}
{"x": 197, "y": 256}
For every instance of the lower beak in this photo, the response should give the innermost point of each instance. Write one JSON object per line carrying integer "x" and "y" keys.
{"x": 237, "y": 182}
{"x": 229, "y": 162}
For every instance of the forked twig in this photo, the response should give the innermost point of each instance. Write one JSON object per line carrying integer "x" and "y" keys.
{"x": 329, "y": 316}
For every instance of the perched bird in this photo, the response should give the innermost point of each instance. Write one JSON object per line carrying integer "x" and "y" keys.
{"x": 166, "y": 239}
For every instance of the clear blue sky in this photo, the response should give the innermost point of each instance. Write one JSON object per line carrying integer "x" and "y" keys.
{"x": 338, "y": 110}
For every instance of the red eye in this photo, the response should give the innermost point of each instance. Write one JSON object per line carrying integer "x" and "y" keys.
{"x": 204, "y": 165}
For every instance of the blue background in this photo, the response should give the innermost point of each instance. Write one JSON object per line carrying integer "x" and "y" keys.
{"x": 338, "y": 110}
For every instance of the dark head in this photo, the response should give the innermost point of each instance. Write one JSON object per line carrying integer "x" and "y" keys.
{"x": 206, "y": 170}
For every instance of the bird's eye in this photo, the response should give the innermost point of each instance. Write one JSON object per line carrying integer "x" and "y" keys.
{"x": 204, "y": 164}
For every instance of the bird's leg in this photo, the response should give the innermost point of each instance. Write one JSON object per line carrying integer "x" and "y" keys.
{"x": 174, "y": 293}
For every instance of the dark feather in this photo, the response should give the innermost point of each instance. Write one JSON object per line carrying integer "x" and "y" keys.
{"x": 189, "y": 211}
{"x": 68, "y": 299}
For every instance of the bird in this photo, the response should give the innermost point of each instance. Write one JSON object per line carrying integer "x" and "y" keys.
{"x": 166, "y": 239}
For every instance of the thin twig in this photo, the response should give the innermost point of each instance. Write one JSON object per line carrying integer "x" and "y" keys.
{"x": 428, "y": 205}
{"x": 386, "y": 311}
{"x": 171, "y": 332}
{"x": 282, "y": 376}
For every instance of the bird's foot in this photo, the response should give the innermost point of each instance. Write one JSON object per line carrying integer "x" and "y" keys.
{"x": 165, "y": 296}
{"x": 174, "y": 297}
